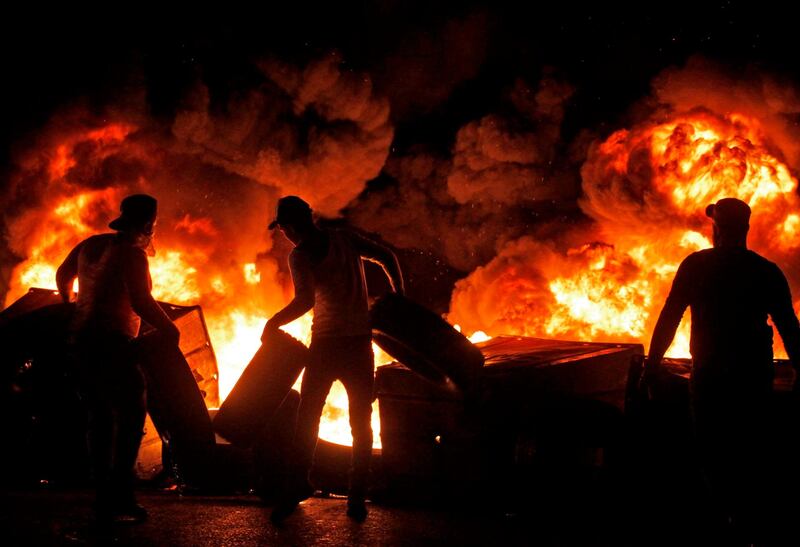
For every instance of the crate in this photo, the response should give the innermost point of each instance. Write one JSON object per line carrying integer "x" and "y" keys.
{"x": 536, "y": 403}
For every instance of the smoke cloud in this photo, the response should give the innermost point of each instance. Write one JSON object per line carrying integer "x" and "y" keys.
{"x": 506, "y": 173}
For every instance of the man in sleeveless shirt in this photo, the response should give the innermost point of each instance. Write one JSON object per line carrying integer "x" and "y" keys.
{"x": 113, "y": 296}
{"x": 731, "y": 291}
{"x": 328, "y": 277}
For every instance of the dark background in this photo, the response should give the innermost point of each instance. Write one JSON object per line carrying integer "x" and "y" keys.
{"x": 55, "y": 57}
{"x": 52, "y": 56}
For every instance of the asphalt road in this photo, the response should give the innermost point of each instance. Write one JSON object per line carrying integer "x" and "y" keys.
{"x": 64, "y": 518}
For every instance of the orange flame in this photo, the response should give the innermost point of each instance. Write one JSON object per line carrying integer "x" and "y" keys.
{"x": 232, "y": 297}
{"x": 647, "y": 189}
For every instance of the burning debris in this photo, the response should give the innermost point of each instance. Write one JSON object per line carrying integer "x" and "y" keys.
{"x": 216, "y": 176}
{"x": 500, "y": 207}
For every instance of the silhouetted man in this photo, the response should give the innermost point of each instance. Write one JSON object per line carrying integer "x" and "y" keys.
{"x": 113, "y": 294}
{"x": 328, "y": 276}
{"x": 731, "y": 291}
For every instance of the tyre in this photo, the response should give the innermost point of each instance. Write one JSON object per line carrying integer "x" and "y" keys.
{"x": 424, "y": 342}
{"x": 261, "y": 389}
{"x": 176, "y": 407}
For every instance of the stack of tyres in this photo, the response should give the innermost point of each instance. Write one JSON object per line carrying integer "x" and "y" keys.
{"x": 261, "y": 389}
{"x": 177, "y": 408}
{"x": 175, "y": 403}
{"x": 423, "y": 405}
{"x": 43, "y": 416}
{"x": 429, "y": 443}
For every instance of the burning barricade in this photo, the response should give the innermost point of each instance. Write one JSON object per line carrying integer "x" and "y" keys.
{"x": 448, "y": 419}
{"x": 599, "y": 278}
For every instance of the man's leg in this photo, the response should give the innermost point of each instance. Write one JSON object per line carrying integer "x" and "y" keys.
{"x": 313, "y": 392}
{"x": 732, "y": 435}
{"x": 753, "y": 454}
{"x": 130, "y": 410}
{"x": 113, "y": 388}
{"x": 92, "y": 368}
{"x": 359, "y": 381}
{"x": 100, "y": 438}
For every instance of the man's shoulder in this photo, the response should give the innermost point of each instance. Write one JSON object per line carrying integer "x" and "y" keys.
{"x": 745, "y": 258}
{"x": 715, "y": 253}
{"x": 122, "y": 246}
{"x": 97, "y": 239}
{"x": 755, "y": 257}
{"x": 299, "y": 255}
{"x": 764, "y": 263}
{"x": 340, "y": 233}
{"x": 697, "y": 257}
{"x": 96, "y": 242}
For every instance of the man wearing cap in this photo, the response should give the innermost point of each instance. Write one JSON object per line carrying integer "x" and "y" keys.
{"x": 731, "y": 291}
{"x": 113, "y": 297}
{"x": 328, "y": 276}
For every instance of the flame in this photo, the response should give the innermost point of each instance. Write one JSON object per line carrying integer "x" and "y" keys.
{"x": 647, "y": 189}
{"x": 479, "y": 336}
{"x": 476, "y": 337}
{"x": 52, "y": 240}
{"x": 251, "y": 274}
{"x": 236, "y": 299}
{"x": 173, "y": 278}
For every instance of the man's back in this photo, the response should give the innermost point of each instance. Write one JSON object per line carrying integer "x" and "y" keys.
{"x": 340, "y": 293}
{"x": 104, "y": 301}
{"x": 731, "y": 291}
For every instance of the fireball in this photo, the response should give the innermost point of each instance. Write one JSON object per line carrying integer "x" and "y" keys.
{"x": 646, "y": 190}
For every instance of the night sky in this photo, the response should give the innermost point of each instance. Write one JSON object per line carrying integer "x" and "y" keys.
{"x": 441, "y": 65}
{"x": 610, "y": 54}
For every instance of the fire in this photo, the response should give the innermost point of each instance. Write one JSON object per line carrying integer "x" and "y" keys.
{"x": 479, "y": 336}
{"x": 236, "y": 299}
{"x": 173, "y": 278}
{"x": 646, "y": 188}
{"x": 235, "y": 332}
{"x": 69, "y": 223}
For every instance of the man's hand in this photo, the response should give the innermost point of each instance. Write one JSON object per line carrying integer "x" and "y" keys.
{"x": 652, "y": 368}
{"x": 651, "y": 373}
{"x": 68, "y": 296}
{"x": 269, "y": 330}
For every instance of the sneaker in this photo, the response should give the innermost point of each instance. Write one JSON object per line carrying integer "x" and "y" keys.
{"x": 289, "y": 501}
{"x": 303, "y": 491}
{"x": 282, "y": 510}
{"x": 357, "y": 509}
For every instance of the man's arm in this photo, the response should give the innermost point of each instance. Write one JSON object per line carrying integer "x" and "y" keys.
{"x": 664, "y": 333}
{"x": 303, "y": 301}
{"x": 782, "y": 314}
{"x": 668, "y": 321}
{"x": 383, "y": 256}
{"x": 137, "y": 278}
{"x": 67, "y": 272}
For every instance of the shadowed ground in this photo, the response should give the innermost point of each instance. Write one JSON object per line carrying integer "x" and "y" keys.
{"x": 47, "y": 518}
